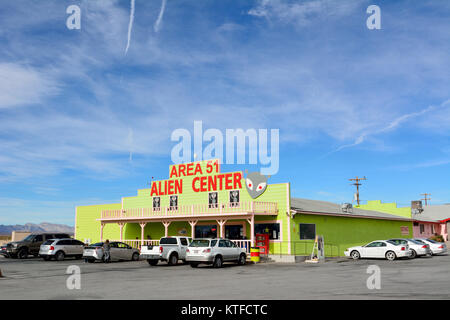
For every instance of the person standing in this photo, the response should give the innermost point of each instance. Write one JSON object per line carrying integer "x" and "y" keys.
{"x": 106, "y": 251}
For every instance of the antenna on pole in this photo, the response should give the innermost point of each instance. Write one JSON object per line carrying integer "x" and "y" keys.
{"x": 426, "y": 197}
{"x": 357, "y": 184}
{"x": 150, "y": 183}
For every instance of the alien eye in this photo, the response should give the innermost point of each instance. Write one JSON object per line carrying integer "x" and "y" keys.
{"x": 249, "y": 183}
{"x": 261, "y": 186}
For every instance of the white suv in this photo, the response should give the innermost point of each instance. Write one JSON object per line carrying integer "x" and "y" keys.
{"x": 215, "y": 252}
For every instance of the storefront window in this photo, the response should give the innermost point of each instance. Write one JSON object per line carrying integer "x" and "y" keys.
{"x": 422, "y": 228}
{"x": 307, "y": 231}
{"x": 208, "y": 231}
{"x": 272, "y": 229}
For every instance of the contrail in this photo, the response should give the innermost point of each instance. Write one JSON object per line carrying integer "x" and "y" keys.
{"x": 130, "y": 26}
{"x": 161, "y": 13}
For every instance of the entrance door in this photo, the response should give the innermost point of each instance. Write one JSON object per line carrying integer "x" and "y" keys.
{"x": 234, "y": 232}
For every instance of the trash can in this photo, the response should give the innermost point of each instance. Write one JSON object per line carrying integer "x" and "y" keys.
{"x": 254, "y": 254}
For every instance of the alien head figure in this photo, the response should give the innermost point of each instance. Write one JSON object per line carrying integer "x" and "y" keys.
{"x": 256, "y": 184}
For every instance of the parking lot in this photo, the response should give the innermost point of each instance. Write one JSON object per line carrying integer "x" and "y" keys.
{"x": 421, "y": 278}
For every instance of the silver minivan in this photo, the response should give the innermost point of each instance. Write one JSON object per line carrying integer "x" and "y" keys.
{"x": 61, "y": 248}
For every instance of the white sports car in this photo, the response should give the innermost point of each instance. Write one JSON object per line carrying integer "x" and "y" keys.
{"x": 379, "y": 249}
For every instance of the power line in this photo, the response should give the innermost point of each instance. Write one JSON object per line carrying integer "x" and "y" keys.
{"x": 425, "y": 197}
{"x": 357, "y": 184}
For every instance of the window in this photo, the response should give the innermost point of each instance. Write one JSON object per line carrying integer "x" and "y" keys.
{"x": 173, "y": 203}
{"x": 199, "y": 243}
{"x": 307, "y": 231}
{"x": 222, "y": 244}
{"x": 168, "y": 241}
{"x": 213, "y": 199}
{"x": 234, "y": 198}
{"x": 376, "y": 245}
{"x": 183, "y": 241}
{"x": 156, "y": 204}
{"x": 61, "y": 235}
{"x": 38, "y": 238}
{"x": 208, "y": 231}
{"x": 422, "y": 228}
{"x": 272, "y": 229}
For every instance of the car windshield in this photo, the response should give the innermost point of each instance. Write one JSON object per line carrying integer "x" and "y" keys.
{"x": 199, "y": 243}
{"x": 432, "y": 241}
{"x": 420, "y": 241}
{"x": 29, "y": 237}
{"x": 415, "y": 241}
{"x": 48, "y": 242}
{"x": 392, "y": 242}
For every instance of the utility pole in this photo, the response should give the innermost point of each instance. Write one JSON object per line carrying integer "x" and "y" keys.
{"x": 426, "y": 198}
{"x": 357, "y": 184}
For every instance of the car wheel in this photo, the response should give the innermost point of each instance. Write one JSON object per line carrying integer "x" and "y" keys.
{"x": 152, "y": 262}
{"x": 59, "y": 256}
{"x": 218, "y": 262}
{"x": 355, "y": 255}
{"x": 22, "y": 254}
{"x": 390, "y": 255}
{"x": 413, "y": 254}
{"x": 194, "y": 265}
{"x": 242, "y": 259}
{"x": 135, "y": 256}
{"x": 173, "y": 259}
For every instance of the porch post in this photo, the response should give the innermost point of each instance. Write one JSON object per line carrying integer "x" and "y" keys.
{"x": 193, "y": 223}
{"x": 121, "y": 224}
{"x": 102, "y": 225}
{"x": 252, "y": 230}
{"x": 221, "y": 223}
{"x": 142, "y": 224}
{"x": 166, "y": 227}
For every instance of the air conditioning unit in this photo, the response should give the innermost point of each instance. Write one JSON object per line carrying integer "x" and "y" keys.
{"x": 347, "y": 207}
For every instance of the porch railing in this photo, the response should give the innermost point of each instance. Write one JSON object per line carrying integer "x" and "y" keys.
{"x": 246, "y": 244}
{"x": 255, "y": 207}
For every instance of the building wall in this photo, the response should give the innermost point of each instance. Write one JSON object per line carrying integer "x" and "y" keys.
{"x": 88, "y": 227}
{"x": 390, "y": 208}
{"x": 342, "y": 232}
{"x": 429, "y": 229}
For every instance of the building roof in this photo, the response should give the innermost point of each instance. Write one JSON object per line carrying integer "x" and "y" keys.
{"x": 433, "y": 213}
{"x": 330, "y": 208}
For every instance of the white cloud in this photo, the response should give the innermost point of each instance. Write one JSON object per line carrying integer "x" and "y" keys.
{"x": 23, "y": 85}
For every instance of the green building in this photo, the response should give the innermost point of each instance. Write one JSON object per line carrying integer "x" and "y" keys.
{"x": 198, "y": 200}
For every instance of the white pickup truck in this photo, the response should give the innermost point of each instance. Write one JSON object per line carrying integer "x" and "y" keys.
{"x": 170, "y": 249}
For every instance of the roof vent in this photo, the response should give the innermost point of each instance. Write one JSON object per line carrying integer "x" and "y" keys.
{"x": 347, "y": 207}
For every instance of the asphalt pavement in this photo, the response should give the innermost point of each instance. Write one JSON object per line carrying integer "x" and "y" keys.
{"x": 33, "y": 278}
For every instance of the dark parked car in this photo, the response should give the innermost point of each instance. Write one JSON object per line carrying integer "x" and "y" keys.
{"x": 31, "y": 244}
{"x": 3, "y": 251}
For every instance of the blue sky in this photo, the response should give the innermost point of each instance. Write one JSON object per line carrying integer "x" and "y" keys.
{"x": 82, "y": 122}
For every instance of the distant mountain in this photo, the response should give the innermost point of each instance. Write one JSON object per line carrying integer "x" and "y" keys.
{"x": 31, "y": 227}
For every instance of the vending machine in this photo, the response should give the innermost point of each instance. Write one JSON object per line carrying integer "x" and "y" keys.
{"x": 262, "y": 241}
